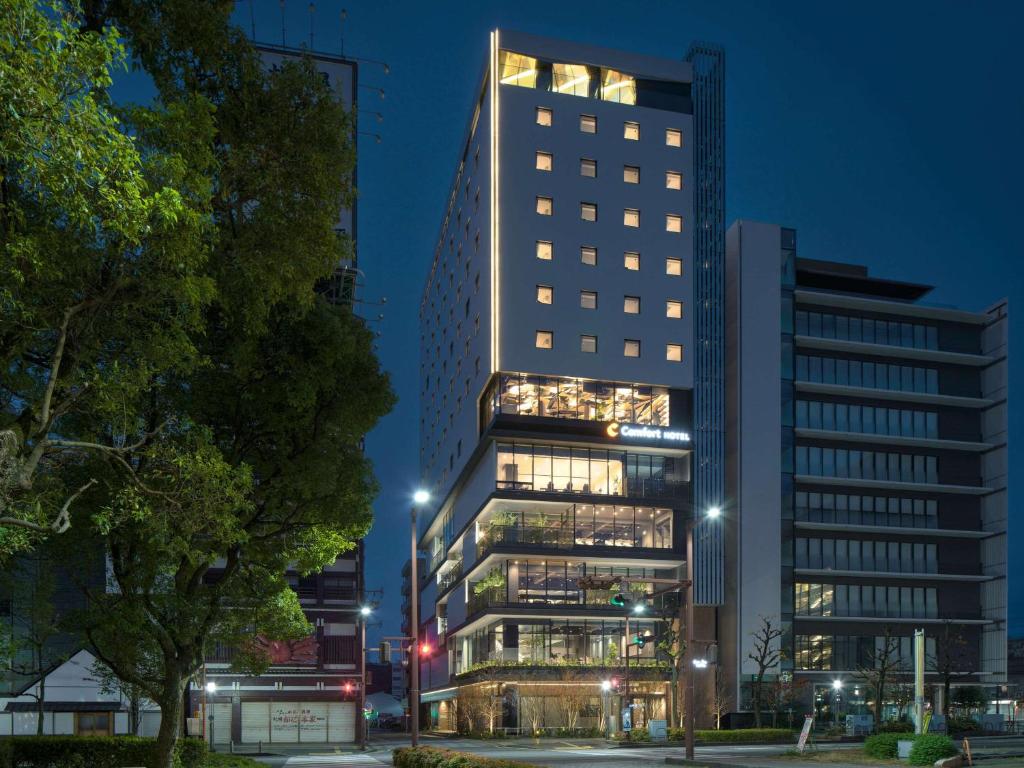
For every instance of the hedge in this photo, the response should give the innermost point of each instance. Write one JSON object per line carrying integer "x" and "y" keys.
{"x": 711, "y": 736}
{"x": 883, "y": 746}
{"x": 431, "y": 757}
{"x": 93, "y": 752}
{"x": 896, "y": 726}
{"x": 929, "y": 747}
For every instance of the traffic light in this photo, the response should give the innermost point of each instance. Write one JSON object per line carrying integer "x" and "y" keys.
{"x": 385, "y": 651}
{"x": 640, "y": 638}
{"x": 424, "y": 650}
{"x": 619, "y": 600}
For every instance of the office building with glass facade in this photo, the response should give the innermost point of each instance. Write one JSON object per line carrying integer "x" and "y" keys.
{"x": 866, "y": 447}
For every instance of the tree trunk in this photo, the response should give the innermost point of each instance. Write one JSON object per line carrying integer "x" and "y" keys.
{"x": 170, "y": 718}
{"x": 756, "y": 697}
{"x": 41, "y": 699}
{"x": 946, "y": 686}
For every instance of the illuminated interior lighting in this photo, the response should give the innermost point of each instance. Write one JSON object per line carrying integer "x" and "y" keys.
{"x": 572, "y": 83}
{"x": 615, "y": 86}
{"x": 512, "y": 78}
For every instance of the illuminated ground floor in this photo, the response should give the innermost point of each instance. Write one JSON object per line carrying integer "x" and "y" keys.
{"x": 551, "y": 701}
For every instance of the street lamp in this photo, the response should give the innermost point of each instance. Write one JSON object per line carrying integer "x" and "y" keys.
{"x": 419, "y": 498}
{"x": 364, "y": 612}
{"x": 690, "y": 661}
{"x": 837, "y": 691}
{"x": 211, "y": 688}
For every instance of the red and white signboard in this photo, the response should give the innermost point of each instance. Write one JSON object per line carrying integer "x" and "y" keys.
{"x": 804, "y": 733}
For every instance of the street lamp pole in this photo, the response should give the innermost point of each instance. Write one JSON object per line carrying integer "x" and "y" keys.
{"x": 688, "y": 653}
{"x": 420, "y": 497}
{"x": 364, "y": 724}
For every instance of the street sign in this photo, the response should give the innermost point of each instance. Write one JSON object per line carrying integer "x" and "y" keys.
{"x": 801, "y": 744}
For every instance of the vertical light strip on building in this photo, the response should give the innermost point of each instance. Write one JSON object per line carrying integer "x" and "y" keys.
{"x": 495, "y": 268}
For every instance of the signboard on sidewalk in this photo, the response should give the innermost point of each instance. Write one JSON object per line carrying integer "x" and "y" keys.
{"x": 627, "y": 719}
{"x": 805, "y": 732}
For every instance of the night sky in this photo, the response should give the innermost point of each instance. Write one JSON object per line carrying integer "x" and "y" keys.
{"x": 886, "y": 133}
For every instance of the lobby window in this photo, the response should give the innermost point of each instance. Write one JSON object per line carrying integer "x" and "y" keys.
{"x": 673, "y": 266}
{"x": 545, "y": 294}
{"x": 631, "y": 174}
{"x": 674, "y": 353}
{"x": 673, "y": 223}
{"x": 588, "y": 124}
{"x": 544, "y": 206}
{"x": 631, "y": 305}
{"x": 631, "y": 131}
{"x": 673, "y": 180}
{"x": 631, "y": 348}
{"x": 588, "y": 344}
{"x": 673, "y": 309}
{"x": 588, "y": 168}
{"x": 631, "y": 261}
{"x": 631, "y": 217}
{"x": 588, "y": 299}
{"x": 544, "y": 161}
{"x": 544, "y": 250}
{"x": 673, "y": 137}
{"x": 588, "y": 255}
{"x": 573, "y": 79}
{"x": 517, "y": 69}
{"x": 544, "y": 117}
{"x": 588, "y": 211}
{"x": 544, "y": 340}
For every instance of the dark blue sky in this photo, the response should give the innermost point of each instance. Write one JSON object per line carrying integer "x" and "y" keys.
{"x": 885, "y": 132}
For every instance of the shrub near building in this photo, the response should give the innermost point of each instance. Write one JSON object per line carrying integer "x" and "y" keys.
{"x": 94, "y": 752}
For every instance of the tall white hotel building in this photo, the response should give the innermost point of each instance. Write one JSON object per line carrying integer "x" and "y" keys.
{"x": 577, "y": 386}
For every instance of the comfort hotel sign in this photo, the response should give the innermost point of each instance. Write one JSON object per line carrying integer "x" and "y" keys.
{"x": 653, "y": 434}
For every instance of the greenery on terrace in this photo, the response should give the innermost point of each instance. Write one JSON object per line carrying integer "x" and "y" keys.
{"x": 563, "y": 662}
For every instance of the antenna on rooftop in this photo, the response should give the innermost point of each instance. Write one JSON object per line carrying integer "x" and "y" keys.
{"x": 312, "y": 12}
{"x": 252, "y": 19}
{"x": 341, "y": 29}
{"x": 283, "y": 44}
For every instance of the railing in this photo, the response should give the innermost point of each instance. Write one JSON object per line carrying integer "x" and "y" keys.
{"x": 499, "y": 597}
{"x": 449, "y": 577}
{"x": 651, "y": 487}
{"x": 566, "y": 536}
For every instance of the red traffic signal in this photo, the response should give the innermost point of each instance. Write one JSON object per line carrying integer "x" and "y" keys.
{"x": 424, "y": 649}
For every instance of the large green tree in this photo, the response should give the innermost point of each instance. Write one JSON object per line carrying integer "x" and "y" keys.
{"x": 209, "y": 469}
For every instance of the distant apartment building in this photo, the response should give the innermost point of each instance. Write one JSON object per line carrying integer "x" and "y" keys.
{"x": 311, "y": 691}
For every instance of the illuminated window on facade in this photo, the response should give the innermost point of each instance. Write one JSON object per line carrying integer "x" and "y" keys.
{"x": 517, "y": 69}
{"x": 631, "y": 131}
{"x": 673, "y": 309}
{"x": 588, "y": 255}
{"x": 544, "y": 340}
{"x": 631, "y": 261}
{"x": 631, "y": 348}
{"x": 673, "y": 266}
{"x": 673, "y": 180}
{"x": 618, "y": 87}
{"x": 631, "y": 305}
{"x": 544, "y": 116}
{"x": 673, "y": 137}
{"x": 588, "y": 344}
{"x": 544, "y": 206}
{"x": 588, "y": 124}
{"x": 544, "y": 161}
{"x": 545, "y": 294}
{"x": 586, "y": 525}
{"x": 631, "y": 217}
{"x": 544, "y": 250}
{"x": 631, "y": 174}
{"x": 566, "y": 398}
{"x": 673, "y": 223}
{"x": 558, "y": 469}
{"x": 588, "y": 299}
{"x": 588, "y": 211}
{"x": 865, "y": 600}
{"x": 588, "y": 168}
{"x": 674, "y": 353}
{"x": 572, "y": 79}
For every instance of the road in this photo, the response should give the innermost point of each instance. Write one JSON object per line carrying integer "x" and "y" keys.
{"x": 569, "y": 753}
{"x": 577, "y": 753}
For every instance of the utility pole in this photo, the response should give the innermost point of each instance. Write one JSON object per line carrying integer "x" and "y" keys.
{"x": 687, "y": 611}
{"x": 414, "y": 646}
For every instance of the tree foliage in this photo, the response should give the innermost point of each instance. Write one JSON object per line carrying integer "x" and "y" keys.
{"x": 175, "y": 387}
